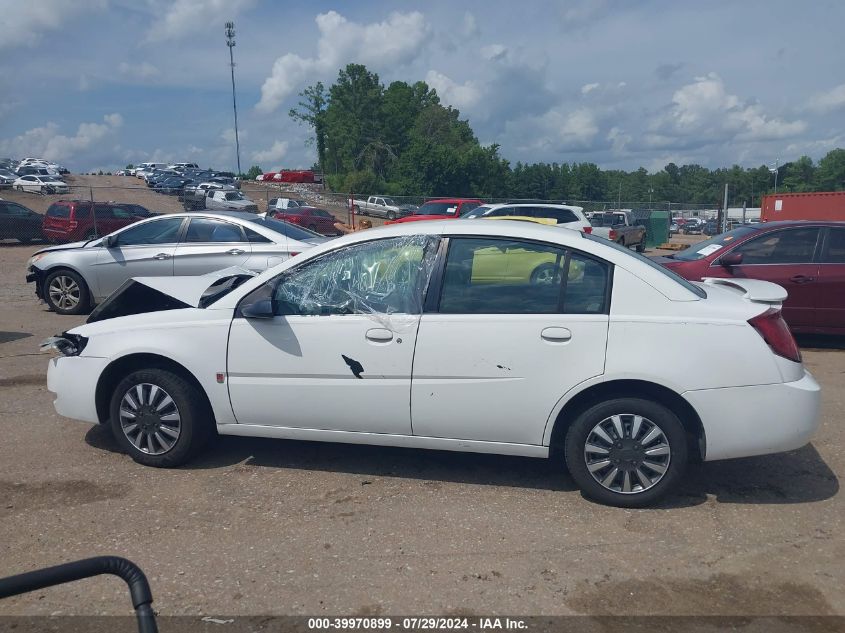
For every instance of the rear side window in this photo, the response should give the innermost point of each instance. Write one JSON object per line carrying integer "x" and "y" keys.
{"x": 255, "y": 237}
{"x": 494, "y": 276}
{"x": 58, "y": 211}
{"x": 835, "y": 252}
{"x": 791, "y": 246}
{"x": 561, "y": 216}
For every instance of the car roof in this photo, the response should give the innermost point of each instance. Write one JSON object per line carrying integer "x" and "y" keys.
{"x": 782, "y": 223}
{"x": 452, "y": 200}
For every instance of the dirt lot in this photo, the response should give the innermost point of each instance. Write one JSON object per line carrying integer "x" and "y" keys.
{"x": 284, "y": 527}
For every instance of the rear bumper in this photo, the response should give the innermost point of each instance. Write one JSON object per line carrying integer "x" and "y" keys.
{"x": 758, "y": 420}
{"x": 73, "y": 379}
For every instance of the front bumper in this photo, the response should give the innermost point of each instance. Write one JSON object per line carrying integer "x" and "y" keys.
{"x": 37, "y": 276}
{"x": 758, "y": 420}
{"x": 74, "y": 381}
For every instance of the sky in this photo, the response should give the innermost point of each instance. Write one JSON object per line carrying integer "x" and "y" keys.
{"x": 102, "y": 83}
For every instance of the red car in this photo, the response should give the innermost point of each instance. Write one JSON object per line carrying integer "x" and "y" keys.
{"x": 73, "y": 220}
{"x": 441, "y": 209}
{"x": 312, "y": 218}
{"x": 805, "y": 257}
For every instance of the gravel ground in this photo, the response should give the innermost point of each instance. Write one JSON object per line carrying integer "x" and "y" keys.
{"x": 284, "y": 527}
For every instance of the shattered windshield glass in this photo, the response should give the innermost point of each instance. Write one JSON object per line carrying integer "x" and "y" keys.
{"x": 382, "y": 279}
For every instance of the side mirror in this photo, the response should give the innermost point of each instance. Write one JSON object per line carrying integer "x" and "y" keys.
{"x": 110, "y": 241}
{"x": 730, "y": 259}
{"x": 262, "y": 309}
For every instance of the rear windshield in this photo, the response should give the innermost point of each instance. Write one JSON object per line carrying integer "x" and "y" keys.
{"x": 285, "y": 228}
{"x": 715, "y": 243}
{"x": 696, "y": 290}
{"x": 607, "y": 219}
{"x": 477, "y": 212}
{"x": 58, "y": 211}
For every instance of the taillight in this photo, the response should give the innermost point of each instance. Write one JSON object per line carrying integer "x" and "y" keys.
{"x": 771, "y": 326}
{"x": 588, "y": 229}
{"x": 612, "y": 235}
{"x": 72, "y": 224}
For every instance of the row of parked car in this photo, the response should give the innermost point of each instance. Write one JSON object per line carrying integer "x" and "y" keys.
{"x": 35, "y": 175}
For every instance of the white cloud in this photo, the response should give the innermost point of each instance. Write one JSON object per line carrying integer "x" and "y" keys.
{"x": 142, "y": 71}
{"x": 494, "y": 52}
{"x": 377, "y": 45}
{"x": 187, "y": 17}
{"x": 461, "y": 96}
{"x": 45, "y": 141}
{"x": 618, "y": 140}
{"x": 470, "y": 25}
{"x": 557, "y": 130}
{"x": 706, "y": 110}
{"x": 833, "y": 99}
{"x": 25, "y": 22}
{"x": 272, "y": 155}
{"x": 588, "y": 88}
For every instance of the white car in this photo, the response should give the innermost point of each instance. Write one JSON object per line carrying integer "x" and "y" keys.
{"x": 41, "y": 184}
{"x": 566, "y": 216}
{"x": 442, "y": 335}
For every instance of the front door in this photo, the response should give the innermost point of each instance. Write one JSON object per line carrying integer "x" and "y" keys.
{"x": 141, "y": 250}
{"x": 831, "y": 282}
{"x": 337, "y": 355}
{"x": 786, "y": 258}
{"x": 517, "y": 325}
{"x": 211, "y": 244}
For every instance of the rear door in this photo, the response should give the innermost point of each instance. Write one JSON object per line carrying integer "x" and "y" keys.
{"x": 831, "y": 283}
{"x": 786, "y": 257}
{"x": 211, "y": 244}
{"x": 509, "y": 327}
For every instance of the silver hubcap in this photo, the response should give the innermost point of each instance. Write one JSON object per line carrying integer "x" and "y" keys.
{"x": 150, "y": 419}
{"x": 64, "y": 292}
{"x": 627, "y": 453}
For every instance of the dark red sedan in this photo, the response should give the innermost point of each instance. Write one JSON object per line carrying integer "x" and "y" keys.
{"x": 805, "y": 257}
{"x": 441, "y": 209}
{"x": 312, "y": 218}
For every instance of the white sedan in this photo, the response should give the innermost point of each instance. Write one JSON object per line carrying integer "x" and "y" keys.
{"x": 41, "y": 184}
{"x": 496, "y": 337}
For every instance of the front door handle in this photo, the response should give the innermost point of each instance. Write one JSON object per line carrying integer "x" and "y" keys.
{"x": 379, "y": 335}
{"x": 235, "y": 251}
{"x": 556, "y": 334}
{"x": 161, "y": 256}
{"x": 801, "y": 279}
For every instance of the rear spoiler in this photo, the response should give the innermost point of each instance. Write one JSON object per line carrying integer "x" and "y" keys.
{"x": 754, "y": 290}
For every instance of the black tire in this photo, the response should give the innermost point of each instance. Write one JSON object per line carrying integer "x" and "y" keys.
{"x": 65, "y": 292}
{"x": 391, "y": 215}
{"x": 625, "y": 454}
{"x": 195, "y": 424}
{"x": 545, "y": 274}
{"x": 92, "y": 234}
{"x": 312, "y": 227}
{"x": 641, "y": 246}
{"x": 621, "y": 241}
{"x": 19, "y": 188}
{"x": 356, "y": 210}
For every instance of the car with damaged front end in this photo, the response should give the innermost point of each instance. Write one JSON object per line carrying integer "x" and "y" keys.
{"x": 444, "y": 335}
{"x": 72, "y": 278}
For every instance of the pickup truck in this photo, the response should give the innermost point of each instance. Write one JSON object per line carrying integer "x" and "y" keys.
{"x": 227, "y": 200}
{"x": 617, "y": 226}
{"x": 379, "y": 206}
{"x": 193, "y": 196}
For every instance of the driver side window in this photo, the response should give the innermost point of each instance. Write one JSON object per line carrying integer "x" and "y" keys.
{"x": 380, "y": 277}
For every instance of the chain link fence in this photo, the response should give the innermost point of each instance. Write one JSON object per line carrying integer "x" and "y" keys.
{"x": 97, "y": 205}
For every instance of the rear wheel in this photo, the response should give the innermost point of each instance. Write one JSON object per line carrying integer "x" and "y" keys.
{"x": 626, "y": 452}
{"x": 66, "y": 292}
{"x": 312, "y": 227}
{"x": 159, "y": 418}
{"x": 641, "y": 246}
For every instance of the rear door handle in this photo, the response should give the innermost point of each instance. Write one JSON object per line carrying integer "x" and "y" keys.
{"x": 556, "y": 334}
{"x": 235, "y": 251}
{"x": 802, "y": 279}
{"x": 161, "y": 256}
{"x": 379, "y": 335}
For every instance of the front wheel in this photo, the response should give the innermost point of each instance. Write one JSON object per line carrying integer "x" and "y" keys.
{"x": 66, "y": 292}
{"x": 626, "y": 452}
{"x": 391, "y": 215}
{"x": 159, "y": 418}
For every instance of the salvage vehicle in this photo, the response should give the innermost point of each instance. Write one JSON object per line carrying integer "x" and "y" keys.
{"x": 229, "y": 200}
{"x": 378, "y": 206}
{"x": 19, "y": 223}
{"x": 619, "y": 227}
{"x": 314, "y": 219}
{"x": 807, "y": 258}
{"x": 72, "y": 220}
{"x": 425, "y": 335}
{"x": 441, "y": 209}
{"x": 193, "y": 196}
{"x": 565, "y": 216}
{"x": 71, "y": 278}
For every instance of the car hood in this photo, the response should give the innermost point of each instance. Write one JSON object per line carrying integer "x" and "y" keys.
{"x": 63, "y": 247}
{"x": 140, "y": 295}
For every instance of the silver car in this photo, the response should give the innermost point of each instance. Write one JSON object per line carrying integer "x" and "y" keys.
{"x": 72, "y": 278}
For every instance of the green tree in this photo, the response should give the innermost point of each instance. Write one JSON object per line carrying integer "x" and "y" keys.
{"x": 312, "y": 111}
{"x": 253, "y": 172}
{"x": 830, "y": 175}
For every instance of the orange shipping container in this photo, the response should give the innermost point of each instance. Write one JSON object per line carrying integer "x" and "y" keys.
{"x": 819, "y": 205}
